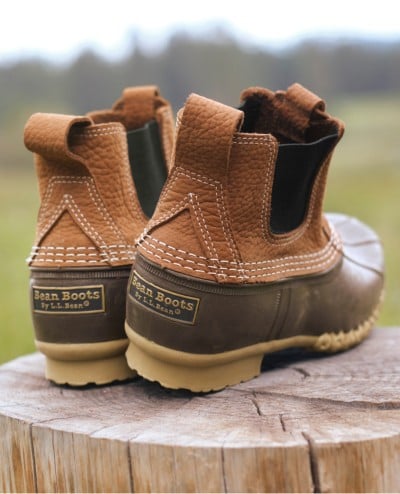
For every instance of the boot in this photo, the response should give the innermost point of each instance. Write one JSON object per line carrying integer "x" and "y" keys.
{"x": 239, "y": 259}
{"x": 94, "y": 203}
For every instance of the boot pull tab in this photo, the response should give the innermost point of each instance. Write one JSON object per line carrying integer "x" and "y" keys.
{"x": 48, "y": 134}
{"x": 295, "y": 108}
{"x": 137, "y": 105}
{"x": 204, "y": 138}
{"x": 304, "y": 99}
{"x": 134, "y": 109}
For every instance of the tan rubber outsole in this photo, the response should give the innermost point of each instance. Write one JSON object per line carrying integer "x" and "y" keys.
{"x": 212, "y": 372}
{"x": 86, "y": 363}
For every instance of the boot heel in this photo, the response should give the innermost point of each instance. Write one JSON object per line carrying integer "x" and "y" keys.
{"x": 181, "y": 370}
{"x": 82, "y": 364}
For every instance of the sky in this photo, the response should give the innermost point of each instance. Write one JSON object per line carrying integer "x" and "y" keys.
{"x": 59, "y": 30}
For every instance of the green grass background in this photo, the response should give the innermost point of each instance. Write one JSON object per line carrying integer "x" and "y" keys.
{"x": 364, "y": 181}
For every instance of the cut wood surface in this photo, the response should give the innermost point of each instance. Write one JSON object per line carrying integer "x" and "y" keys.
{"x": 306, "y": 424}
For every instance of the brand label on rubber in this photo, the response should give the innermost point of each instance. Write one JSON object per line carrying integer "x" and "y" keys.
{"x": 68, "y": 300}
{"x": 169, "y": 304}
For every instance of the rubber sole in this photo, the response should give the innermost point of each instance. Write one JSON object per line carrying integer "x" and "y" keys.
{"x": 212, "y": 372}
{"x": 86, "y": 363}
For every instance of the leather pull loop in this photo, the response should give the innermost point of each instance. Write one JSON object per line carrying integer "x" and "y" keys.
{"x": 134, "y": 109}
{"x": 47, "y": 134}
{"x": 205, "y": 134}
{"x": 294, "y": 110}
{"x": 137, "y": 105}
{"x": 304, "y": 99}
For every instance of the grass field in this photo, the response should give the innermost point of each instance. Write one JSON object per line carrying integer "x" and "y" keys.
{"x": 364, "y": 182}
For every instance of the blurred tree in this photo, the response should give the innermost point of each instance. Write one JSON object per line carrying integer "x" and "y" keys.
{"x": 216, "y": 66}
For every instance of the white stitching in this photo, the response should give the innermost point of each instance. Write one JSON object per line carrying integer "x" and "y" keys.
{"x": 104, "y": 130}
{"x": 333, "y": 242}
{"x": 81, "y": 261}
{"x": 269, "y": 275}
{"x": 152, "y": 223}
{"x": 267, "y": 193}
{"x": 60, "y": 208}
{"x": 174, "y": 255}
{"x": 166, "y": 116}
{"x": 199, "y": 213}
{"x": 113, "y": 246}
{"x": 88, "y": 181}
{"x": 244, "y": 139}
{"x": 101, "y": 207}
{"x": 220, "y": 205}
{"x": 70, "y": 261}
{"x": 294, "y": 260}
{"x": 85, "y": 223}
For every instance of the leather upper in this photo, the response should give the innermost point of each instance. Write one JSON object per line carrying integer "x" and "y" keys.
{"x": 90, "y": 214}
{"x": 137, "y": 106}
{"x": 213, "y": 218}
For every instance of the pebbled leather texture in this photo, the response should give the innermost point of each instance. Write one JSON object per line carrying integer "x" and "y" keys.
{"x": 220, "y": 190}
{"x": 90, "y": 215}
{"x": 137, "y": 106}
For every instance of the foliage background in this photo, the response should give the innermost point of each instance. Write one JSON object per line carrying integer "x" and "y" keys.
{"x": 359, "y": 80}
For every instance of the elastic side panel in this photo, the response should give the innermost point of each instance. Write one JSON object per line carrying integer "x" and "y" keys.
{"x": 147, "y": 163}
{"x": 296, "y": 168}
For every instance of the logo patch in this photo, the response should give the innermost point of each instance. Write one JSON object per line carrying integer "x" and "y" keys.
{"x": 68, "y": 300}
{"x": 169, "y": 304}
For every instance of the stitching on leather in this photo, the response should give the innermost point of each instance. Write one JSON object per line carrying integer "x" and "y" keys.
{"x": 266, "y": 268}
{"x": 199, "y": 213}
{"x": 242, "y": 139}
{"x": 197, "y": 176}
{"x": 88, "y": 181}
{"x": 101, "y": 207}
{"x": 180, "y": 250}
{"x": 106, "y": 258}
{"x": 113, "y": 246}
{"x": 192, "y": 200}
{"x": 172, "y": 212}
{"x": 76, "y": 210}
{"x": 166, "y": 116}
{"x": 174, "y": 263}
{"x": 60, "y": 208}
{"x": 56, "y": 253}
{"x": 220, "y": 204}
{"x": 70, "y": 261}
{"x": 167, "y": 187}
{"x": 113, "y": 252}
{"x": 334, "y": 242}
{"x": 267, "y": 194}
{"x": 269, "y": 275}
{"x": 159, "y": 249}
{"x": 323, "y": 254}
{"x": 110, "y": 130}
{"x": 67, "y": 201}
{"x": 50, "y": 247}
{"x": 223, "y": 217}
{"x": 303, "y": 268}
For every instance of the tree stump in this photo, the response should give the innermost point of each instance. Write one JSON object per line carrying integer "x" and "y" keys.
{"x": 306, "y": 424}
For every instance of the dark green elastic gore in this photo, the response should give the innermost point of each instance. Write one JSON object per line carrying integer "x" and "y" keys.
{"x": 148, "y": 166}
{"x": 296, "y": 168}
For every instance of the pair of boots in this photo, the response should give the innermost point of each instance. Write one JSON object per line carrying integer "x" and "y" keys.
{"x": 187, "y": 255}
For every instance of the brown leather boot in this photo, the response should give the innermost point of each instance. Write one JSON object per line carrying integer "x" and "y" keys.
{"x": 91, "y": 212}
{"x": 239, "y": 259}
